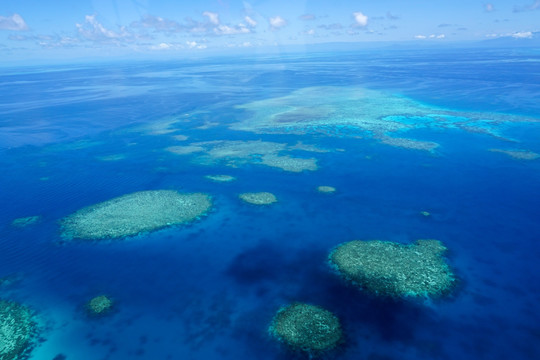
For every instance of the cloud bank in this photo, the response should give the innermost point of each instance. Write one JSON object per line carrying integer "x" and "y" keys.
{"x": 14, "y": 22}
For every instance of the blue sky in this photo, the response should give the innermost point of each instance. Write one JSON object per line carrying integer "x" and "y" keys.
{"x": 59, "y": 28}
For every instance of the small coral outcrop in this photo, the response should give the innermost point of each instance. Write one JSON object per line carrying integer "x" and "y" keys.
{"x": 258, "y": 198}
{"x": 99, "y": 306}
{"x": 307, "y": 328}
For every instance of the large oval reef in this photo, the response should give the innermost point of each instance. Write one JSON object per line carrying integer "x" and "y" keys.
{"x": 395, "y": 270}
{"x": 16, "y": 330}
{"x": 134, "y": 213}
{"x": 306, "y": 328}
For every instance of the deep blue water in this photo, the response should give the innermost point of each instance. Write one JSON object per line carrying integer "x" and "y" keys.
{"x": 209, "y": 290}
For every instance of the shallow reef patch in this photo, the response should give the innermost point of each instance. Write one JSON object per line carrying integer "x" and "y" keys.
{"x": 26, "y": 221}
{"x": 390, "y": 269}
{"x": 518, "y": 154}
{"x": 325, "y": 189}
{"x": 17, "y": 329}
{"x": 135, "y": 213}
{"x": 99, "y": 306}
{"x": 306, "y": 328}
{"x": 220, "y": 178}
{"x": 236, "y": 153}
{"x": 346, "y": 111}
{"x": 258, "y": 198}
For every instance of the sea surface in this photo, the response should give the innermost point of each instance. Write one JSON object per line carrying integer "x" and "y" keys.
{"x": 76, "y": 135}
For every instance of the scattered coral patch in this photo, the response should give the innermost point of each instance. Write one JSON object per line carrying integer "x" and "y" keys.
{"x": 16, "y": 330}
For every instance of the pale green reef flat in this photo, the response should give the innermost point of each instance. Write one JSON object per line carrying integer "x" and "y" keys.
{"x": 238, "y": 153}
{"x": 135, "y": 213}
{"x": 380, "y": 115}
{"x": 16, "y": 330}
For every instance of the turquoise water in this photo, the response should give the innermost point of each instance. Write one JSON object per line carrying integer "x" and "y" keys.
{"x": 73, "y": 137}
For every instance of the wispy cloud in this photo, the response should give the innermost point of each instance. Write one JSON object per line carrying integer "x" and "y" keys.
{"x": 158, "y": 24}
{"x": 195, "y": 45}
{"x": 211, "y": 26}
{"x": 432, "y": 36}
{"x": 534, "y": 6}
{"x": 307, "y": 17}
{"x": 231, "y": 30}
{"x": 515, "y": 35}
{"x": 93, "y": 30}
{"x": 334, "y": 26}
{"x": 277, "y": 22}
{"x": 522, "y": 35}
{"x": 212, "y": 17}
{"x": 391, "y": 16}
{"x": 14, "y": 22}
{"x": 250, "y": 21}
{"x": 489, "y": 7}
{"x": 360, "y": 19}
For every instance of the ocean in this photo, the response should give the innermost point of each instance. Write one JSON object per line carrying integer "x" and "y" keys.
{"x": 418, "y": 144}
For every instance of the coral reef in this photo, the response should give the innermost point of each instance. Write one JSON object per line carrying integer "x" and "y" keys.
{"x": 351, "y": 111}
{"x": 306, "y": 328}
{"x": 99, "y": 305}
{"x": 258, "y": 198}
{"x": 237, "y": 153}
{"x": 220, "y": 178}
{"x": 395, "y": 270}
{"x": 16, "y": 330}
{"x": 326, "y": 189}
{"x": 134, "y": 213}
{"x": 518, "y": 154}
{"x": 26, "y": 221}
{"x": 289, "y": 163}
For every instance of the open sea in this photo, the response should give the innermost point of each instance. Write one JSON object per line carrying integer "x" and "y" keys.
{"x": 72, "y": 136}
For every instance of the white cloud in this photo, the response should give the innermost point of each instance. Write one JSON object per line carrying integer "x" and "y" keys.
{"x": 533, "y": 6}
{"x": 14, "y": 22}
{"x": 307, "y": 17}
{"x": 489, "y": 7}
{"x": 431, "y": 36}
{"x": 212, "y": 17}
{"x": 228, "y": 30}
{"x": 158, "y": 24}
{"x": 277, "y": 22}
{"x": 522, "y": 35}
{"x": 360, "y": 18}
{"x": 195, "y": 45}
{"x": 250, "y": 21}
{"x": 95, "y": 31}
